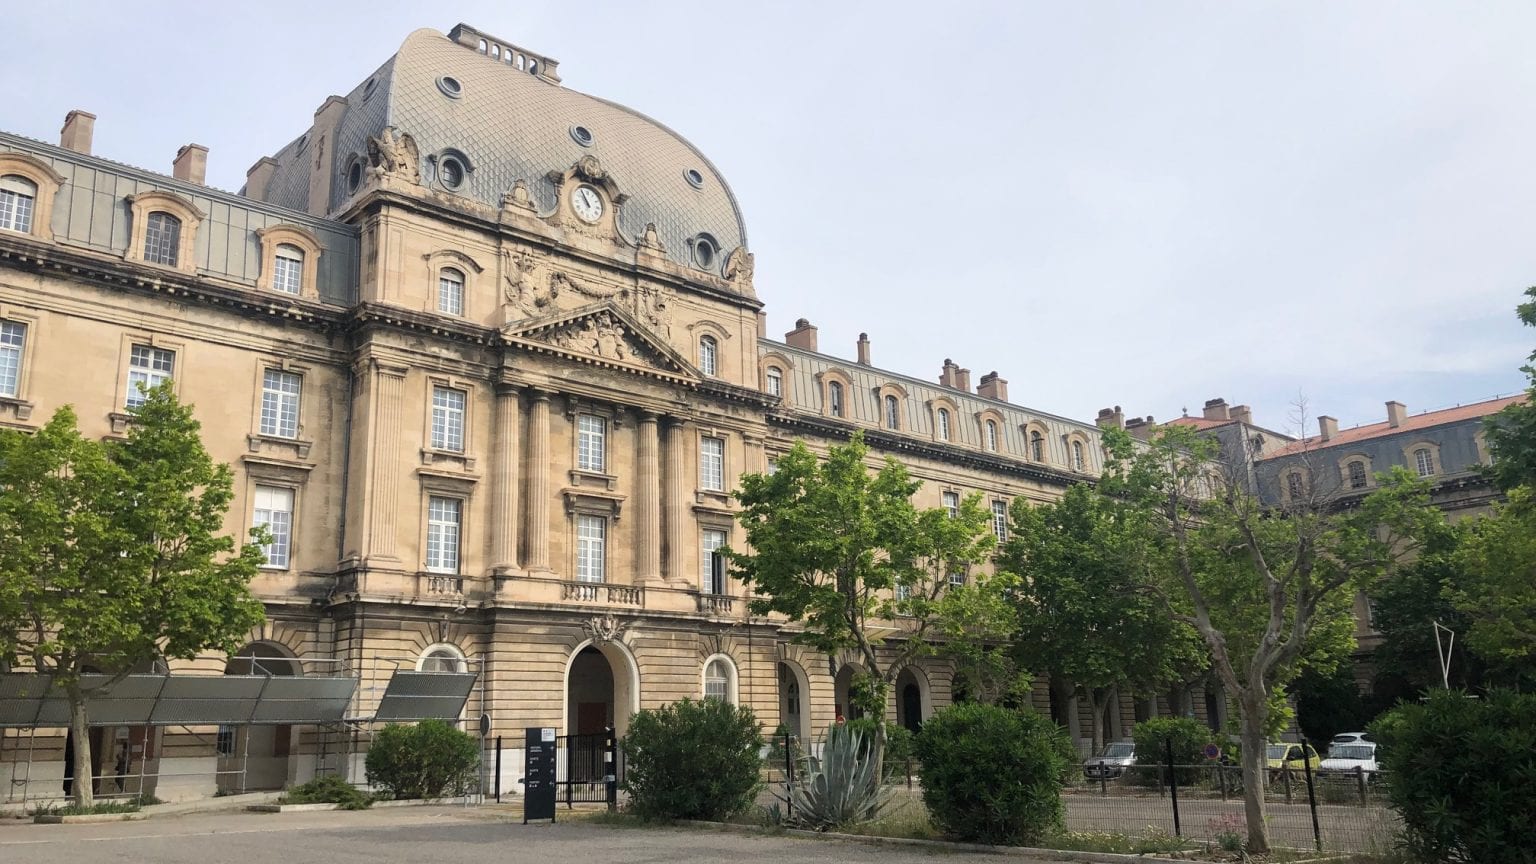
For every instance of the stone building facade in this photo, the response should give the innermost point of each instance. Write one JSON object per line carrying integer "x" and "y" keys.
{"x": 487, "y": 358}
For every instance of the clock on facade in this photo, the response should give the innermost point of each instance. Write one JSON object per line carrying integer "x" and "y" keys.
{"x": 587, "y": 203}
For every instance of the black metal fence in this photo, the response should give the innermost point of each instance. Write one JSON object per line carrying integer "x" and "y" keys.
{"x": 589, "y": 770}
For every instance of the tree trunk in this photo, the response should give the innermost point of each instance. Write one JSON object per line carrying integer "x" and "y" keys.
{"x": 1098, "y": 697}
{"x": 84, "y": 783}
{"x": 1254, "y": 710}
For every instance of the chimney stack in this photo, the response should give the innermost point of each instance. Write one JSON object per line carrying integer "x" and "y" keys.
{"x": 191, "y": 164}
{"x": 803, "y": 336}
{"x": 1397, "y": 412}
{"x": 76, "y": 134}
{"x": 993, "y": 387}
{"x": 863, "y": 349}
{"x": 1216, "y": 409}
{"x": 1141, "y": 428}
{"x": 1242, "y": 414}
{"x": 963, "y": 380}
{"x": 950, "y": 373}
{"x": 1327, "y": 427}
{"x": 1111, "y": 418}
{"x": 259, "y": 177}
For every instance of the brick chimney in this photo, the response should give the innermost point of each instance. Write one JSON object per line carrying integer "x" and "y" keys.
{"x": 863, "y": 349}
{"x": 993, "y": 387}
{"x": 78, "y": 128}
{"x": 1242, "y": 414}
{"x": 191, "y": 164}
{"x": 1141, "y": 428}
{"x": 1111, "y": 418}
{"x": 803, "y": 336}
{"x": 1397, "y": 412}
{"x": 259, "y": 177}
{"x": 947, "y": 378}
{"x": 1327, "y": 427}
{"x": 1216, "y": 409}
{"x": 963, "y": 380}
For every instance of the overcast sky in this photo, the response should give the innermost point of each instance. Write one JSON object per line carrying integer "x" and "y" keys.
{"x": 1144, "y": 204}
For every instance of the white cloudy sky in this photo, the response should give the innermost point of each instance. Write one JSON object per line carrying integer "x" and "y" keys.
{"x": 1147, "y": 204}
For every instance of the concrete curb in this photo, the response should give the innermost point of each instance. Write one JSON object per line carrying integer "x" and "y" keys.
{"x": 85, "y": 818}
{"x": 311, "y": 808}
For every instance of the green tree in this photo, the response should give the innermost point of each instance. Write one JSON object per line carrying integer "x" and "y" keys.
{"x": 112, "y": 555}
{"x": 1269, "y": 590}
{"x": 1081, "y": 564}
{"x": 1511, "y": 432}
{"x": 843, "y": 552}
{"x": 1407, "y": 661}
{"x": 1496, "y": 591}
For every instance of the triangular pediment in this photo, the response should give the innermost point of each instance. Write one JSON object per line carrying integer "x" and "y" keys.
{"x": 604, "y": 334}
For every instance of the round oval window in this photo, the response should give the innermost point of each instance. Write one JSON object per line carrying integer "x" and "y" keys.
{"x": 355, "y": 175}
{"x": 451, "y": 172}
{"x": 450, "y": 86}
{"x": 704, "y": 254}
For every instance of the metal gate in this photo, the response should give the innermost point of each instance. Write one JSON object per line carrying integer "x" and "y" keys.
{"x": 589, "y": 769}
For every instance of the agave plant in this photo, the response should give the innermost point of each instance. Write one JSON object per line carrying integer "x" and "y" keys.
{"x": 842, "y": 786}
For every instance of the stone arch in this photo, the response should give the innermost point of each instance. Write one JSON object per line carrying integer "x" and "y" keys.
{"x": 732, "y": 676}
{"x": 794, "y": 692}
{"x": 843, "y": 706}
{"x": 913, "y": 697}
{"x": 623, "y": 685}
{"x": 253, "y": 757}
{"x": 41, "y": 175}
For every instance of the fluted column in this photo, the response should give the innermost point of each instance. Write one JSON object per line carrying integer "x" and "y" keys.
{"x": 504, "y": 481}
{"x": 388, "y": 393}
{"x": 676, "y": 468}
{"x": 648, "y": 501}
{"x": 538, "y": 483}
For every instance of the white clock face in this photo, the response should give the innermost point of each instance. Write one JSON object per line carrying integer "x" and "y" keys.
{"x": 587, "y": 203}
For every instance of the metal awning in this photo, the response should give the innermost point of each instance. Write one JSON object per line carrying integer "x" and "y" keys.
{"x": 424, "y": 696}
{"x": 33, "y": 700}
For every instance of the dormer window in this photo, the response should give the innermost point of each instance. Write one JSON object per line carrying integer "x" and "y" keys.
{"x": 1293, "y": 485}
{"x": 835, "y": 398}
{"x": 943, "y": 424}
{"x": 892, "y": 412}
{"x": 775, "y": 381}
{"x": 992, "y": 435}
{"x": 288, "y": 269}
{"x": 162, "y": 239}
{"x": 1037, "y": 446}
{"x": 1357, "y": 476}
{"x": 450, "y": 291}
{"x": 18, "y": 198}
{"x": 1078, "y": 462}
{"x": 1424, "y": 462}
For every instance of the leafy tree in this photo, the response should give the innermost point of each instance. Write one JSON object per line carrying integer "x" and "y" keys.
{"x": 1496, "y": 591}
{"x": 1512, "y": 432}
{"x": 843, "y": 552}
{"x": 1407, "y": 661}
{"x": 1328, "y": 703}
{"x": 1269, "y": 591}
{"x": 1081, "y": 563}
{"x": 111, "y": 554}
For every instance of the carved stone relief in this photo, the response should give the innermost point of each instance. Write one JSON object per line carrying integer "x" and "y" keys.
{"x": 393, "y": 153}
{"x": 604, "y": 628}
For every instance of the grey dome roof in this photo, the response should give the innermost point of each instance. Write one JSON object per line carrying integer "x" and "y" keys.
{"x": 511, "y": 125}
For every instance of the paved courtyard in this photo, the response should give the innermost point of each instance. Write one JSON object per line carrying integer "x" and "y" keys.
{"x": 411, "y": 836}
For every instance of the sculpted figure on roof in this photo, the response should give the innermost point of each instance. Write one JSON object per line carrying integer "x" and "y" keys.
{"x": 394, "y": 153}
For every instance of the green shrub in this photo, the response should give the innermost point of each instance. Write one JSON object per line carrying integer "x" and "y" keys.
{"x": 839, "y": 787}
{"x": 328, "y": 789}
{"x": 1188, "y": 736}
{"x": 1462, "y": 770}
{"x": 899, "y": 742}
{"x": 692, "y": 760}
{"x": 431, "y": 759}
{"x": 991, "y": 774}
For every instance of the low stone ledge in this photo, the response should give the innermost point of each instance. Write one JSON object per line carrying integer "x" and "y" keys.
{"x": 310, "y": 808}
{"x": 86, "y": 818}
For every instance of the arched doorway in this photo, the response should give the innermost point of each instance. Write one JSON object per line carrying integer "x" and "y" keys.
{"x": 912, "y": 704}
{"x": 602, "y": 689}
{"x": 794, "y": 700}
{"x": 843, "y": 691}
{"x": 266, "y": 751}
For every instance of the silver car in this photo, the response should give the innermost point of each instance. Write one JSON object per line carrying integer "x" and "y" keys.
{"x": 1112, "y": 762}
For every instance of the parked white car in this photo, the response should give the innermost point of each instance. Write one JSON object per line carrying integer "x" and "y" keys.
{"x": 1350, "y": 757}
{"x": 1116, "y": 757}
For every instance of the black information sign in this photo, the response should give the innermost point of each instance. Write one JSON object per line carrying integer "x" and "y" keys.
{"x": 539, "y": 774}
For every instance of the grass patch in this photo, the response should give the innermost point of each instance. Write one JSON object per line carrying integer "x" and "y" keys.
{"x": 129, "y": 806}
{"x": 1154, "y": 840}
{"x": 329, "y": 789}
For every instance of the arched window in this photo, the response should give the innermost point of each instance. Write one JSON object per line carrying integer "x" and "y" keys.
{"x": 775, "y": 381}
{"x": 709, "y": 355}
{"x": 18, "y": 196}
{"x": 1357, "y": 478}
{"x": 1424, "y": 461}
{"x": 892, "y": 412}
{"x": 1037, "y": 446}
{"x": 450, "y": 291}
{"x": 943, "y": 424}
{"x": 288, "y": 269}
{"x": 442, "y": 658}
{"x": 1078, "y": 463}
{"x": 1293, "y": 485}
{"x": 992, "y": 435}
{"x": 720, "y": 680}
{"x": 162, "y": 238}
{"x": 835, "y": 398}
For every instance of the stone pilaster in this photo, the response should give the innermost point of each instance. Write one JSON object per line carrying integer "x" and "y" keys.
{"x": 538, "y": 483}
{"x": 387, "y": 385}
{"x": 679, "y": 546}
{"x": 648, "y": 501}
{"x": 504, "y": 481}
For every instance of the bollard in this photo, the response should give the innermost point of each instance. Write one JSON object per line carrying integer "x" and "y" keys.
{"x": 1360, "y": 783}
{"x": 498, "y": 769}
{"x": 1173, "y": 786}
{"x": 1103, "y": 779}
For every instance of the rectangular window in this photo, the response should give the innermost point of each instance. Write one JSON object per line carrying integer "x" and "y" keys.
{"x": 448, "y": 419}
{"x": 591, "y": 443}
{"x": 773, "y": 465}
{"x": 280, "y": 403}
{"x": 13, "y": 337}
{"x": 148, "y": 368}
{"x": 775, "y": 380}
{"x": 952, "y": 504}
{"x": 17, "y": 196}
{"x": 591, "y": 548}
{"x": 274, "y": 511}
{"x": 712, "y": 464}
{"x": 450, "y": 292}
{"x": 957, "y": 578}
{"x": 714, "y": 583}
{"x": 903, "y": 592}
{"x": 1000, "y": 519}
{"x": 287, "y": 273}
{"x": 1424, "y": 461}
{"x": 444, "y": 517}
{"x": 162, "y": 239}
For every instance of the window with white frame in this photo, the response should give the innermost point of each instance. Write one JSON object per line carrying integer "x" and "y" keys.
{"x": 448, "y": 419}
{"x": 450, "y": 291}
{"x": 148, "y": 368}
{"x": 835, "y": 399}
{"x": 892, "y": 412}
{"x": 709, "y": 355}
{"x": 444, "y": 524}
{"x": 1357, "y": 476}
{"x": 1000, "y": 519}
{"x": 1037, "y": 446}
{"x": 952, "y": 504}
{"x": 717, "y": 680}
{"x": 775, "y": 381}
{"x": 903, "y": 592}
{"x": 713, "y": 582}
{"x": 992, "y": 435}
{"x": 591, "y": 443}
{"x": 280, "y": 403}
{"x": 18, "y": 196}
{"x": 773, "y": 466}
{"x": 712, "y": 464}
{"x": 273, "y": 510}
{"x": 288, "y": 269}
{"x": 1424, "y": 461}
{"x": 957, "y": 578}
{"x": 1078, "y": 462}
{"x": 943, "y": 423}
{"x": 442, "y": 658}
{"x": 162, "y": 238}
{"x": 591, "y": 548}
{"x": 13, "y": 338}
